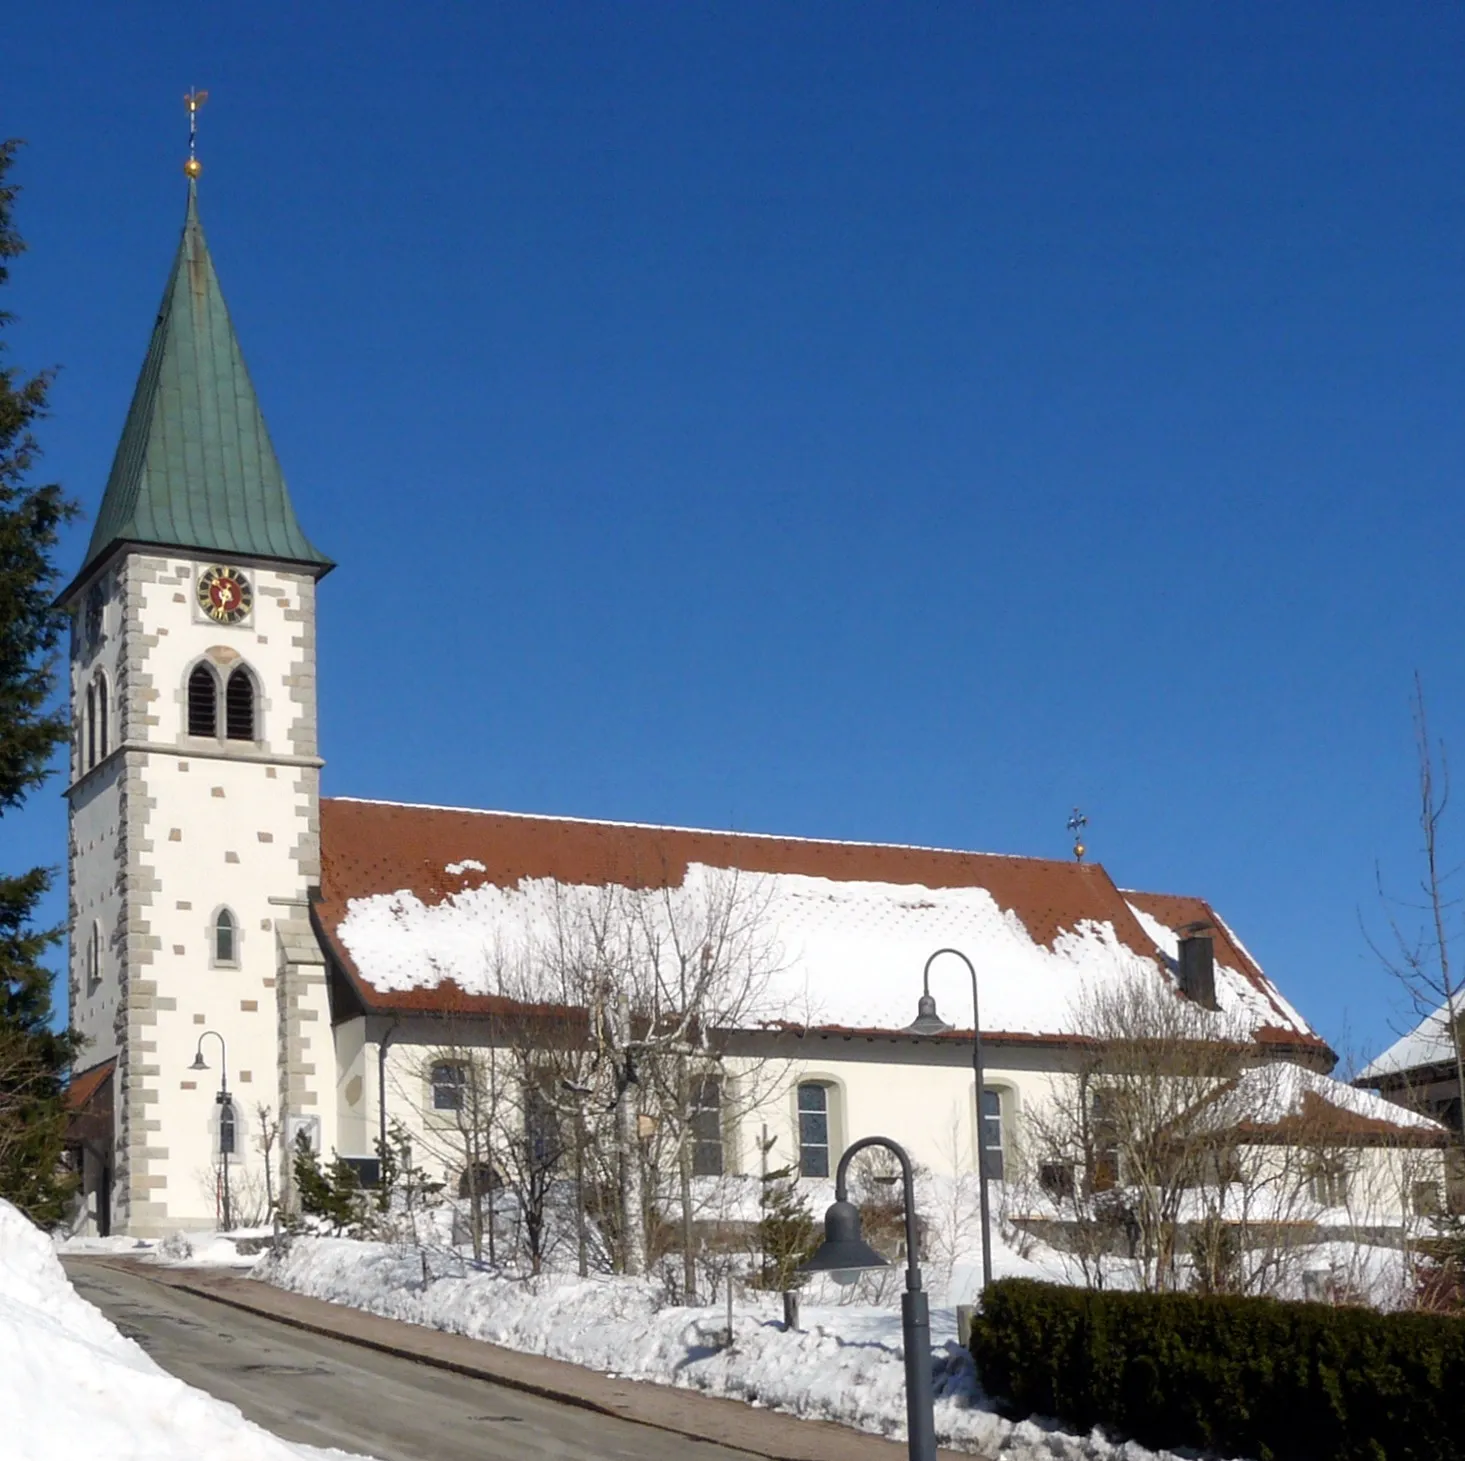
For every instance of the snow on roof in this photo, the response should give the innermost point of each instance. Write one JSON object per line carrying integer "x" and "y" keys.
{"x": 1280, "y": 1091}
{"x": 1428, "y": 1043}
{"x": 1241, "y": 986}
{"x": 415, "y": 899}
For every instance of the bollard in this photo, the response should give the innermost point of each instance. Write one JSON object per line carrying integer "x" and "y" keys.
{"x": 790, "y": 1310}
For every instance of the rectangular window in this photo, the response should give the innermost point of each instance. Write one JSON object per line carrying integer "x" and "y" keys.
{"x": 1104, "y": 1136}
{"x": 992, "y": 1133}
{"x": 706, "y": 1127}
{"x": 541, "y": 1130}
{"x": 813, "y": 1130}
{"x": 1328, "y": 1185}
{"x": 448, "y": 1079}
{"x": 1057, "y": 1179}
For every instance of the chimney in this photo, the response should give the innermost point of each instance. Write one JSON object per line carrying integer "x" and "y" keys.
{"x": 1197, "y": 967}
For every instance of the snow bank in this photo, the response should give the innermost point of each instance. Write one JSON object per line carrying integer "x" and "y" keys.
{"x": 846, "y": 1365}
{"x": 71, "y": 1385}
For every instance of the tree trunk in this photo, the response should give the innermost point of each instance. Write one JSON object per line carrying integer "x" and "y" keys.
{"x": 684, "y": 1173}
{"x": 628, "y": 1150}
{"x": 633, "y": 1212}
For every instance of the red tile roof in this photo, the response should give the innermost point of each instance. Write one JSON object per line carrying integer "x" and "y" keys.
{"x": 378, "y": 848}
{"x": 85, "y": 1084}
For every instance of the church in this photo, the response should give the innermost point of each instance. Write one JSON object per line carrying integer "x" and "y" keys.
{"x": 248, "y": 957}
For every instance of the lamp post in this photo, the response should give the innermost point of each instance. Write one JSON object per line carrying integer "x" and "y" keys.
{"x": 844, "y": 1255}
{"x": 928, "y": 1022}
{"x": 226, "y": 1112}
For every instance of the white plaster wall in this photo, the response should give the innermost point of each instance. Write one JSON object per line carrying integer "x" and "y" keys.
{"x": 928, "y": 1108}
{"x": 96, "y": 891}
{"x": 356, "y": 1110}
{"x": 96, "y": 898}
{"x": 224, "y": 824}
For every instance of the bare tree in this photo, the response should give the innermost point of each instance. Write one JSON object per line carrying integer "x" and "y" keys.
{"x": 266, "y": 1136}
{"x": 662, "y": 974}
{"x": 1144, "y": 1131}
{"x": 1421, "y": 955}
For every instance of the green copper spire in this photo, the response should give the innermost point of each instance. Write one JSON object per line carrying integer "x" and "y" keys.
{"x": 195, "y": 469}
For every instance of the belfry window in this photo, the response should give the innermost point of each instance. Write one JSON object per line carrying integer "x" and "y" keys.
{"x": 239, "y": 707}
{"x": 102, "y": 746}
{"x": 226, "y": 938}
{"x": 203, "y": 703}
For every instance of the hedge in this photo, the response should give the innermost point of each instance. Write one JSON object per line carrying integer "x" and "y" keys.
{"x": 1239, "y": 1376}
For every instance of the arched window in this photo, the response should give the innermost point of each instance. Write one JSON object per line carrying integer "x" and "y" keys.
{"x": 89, "y": 731}
{"x": 992, "y": 1132}
{"x": 94, "y": 958}
{"x": 706, "y": 1126}
{"x": 226, "y": 1129}
{"x": 203, "y": 703}
{"x": 814, "y": 1140}
{"x": 239, "y": 707}
{"x": 102, "y": 746}
{"x": 225, "y": 938}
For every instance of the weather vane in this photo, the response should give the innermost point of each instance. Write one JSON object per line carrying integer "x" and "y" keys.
{"x": 1076, "y": 823}
{"x": 193, "y": 101}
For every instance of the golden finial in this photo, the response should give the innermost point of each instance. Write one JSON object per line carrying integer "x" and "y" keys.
{"x": 193, "y": 101}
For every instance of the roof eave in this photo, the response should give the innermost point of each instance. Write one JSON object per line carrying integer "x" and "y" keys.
{"x": 97, "y": 563}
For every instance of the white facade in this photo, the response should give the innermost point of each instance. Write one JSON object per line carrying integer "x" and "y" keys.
{"x": 169, "y": 830}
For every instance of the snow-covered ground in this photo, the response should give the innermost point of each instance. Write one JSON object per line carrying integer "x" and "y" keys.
{"x": 845, "y": 1364}
{"x": 71, "y": 1385}
{"x": 200, "y": 1249}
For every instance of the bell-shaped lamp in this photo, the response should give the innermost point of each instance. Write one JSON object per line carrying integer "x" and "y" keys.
{"x": 198, "y": 1062}
{"x": 927, "y": 1021}
{"x": 844, "y": 1255}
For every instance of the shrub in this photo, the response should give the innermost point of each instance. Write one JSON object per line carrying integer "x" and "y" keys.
{"x": 1242, "y": 1376}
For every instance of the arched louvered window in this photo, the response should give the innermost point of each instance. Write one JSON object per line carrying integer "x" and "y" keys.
{"x": 203, "y": 703}
{"x": 239, "y": 707}
{"x": 226, "y": 938}
{"x": 102, "y": 746}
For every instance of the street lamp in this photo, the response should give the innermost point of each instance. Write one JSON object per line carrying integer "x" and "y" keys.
{"x": 928, "y": 1022}
{"x": 226, "y": 1113}
{"x": 844, "y": 1255}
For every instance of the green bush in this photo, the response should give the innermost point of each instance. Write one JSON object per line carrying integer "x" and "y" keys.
{"x": 1240, "y": 1376}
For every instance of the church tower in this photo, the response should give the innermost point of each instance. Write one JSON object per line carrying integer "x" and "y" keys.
{"x": 194, "y": 787}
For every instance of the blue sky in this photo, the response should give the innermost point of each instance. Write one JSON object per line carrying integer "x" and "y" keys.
{"x": 852, "y": 420}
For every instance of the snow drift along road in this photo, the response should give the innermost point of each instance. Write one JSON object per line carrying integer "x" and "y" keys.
{"x": 71, "y": 1385}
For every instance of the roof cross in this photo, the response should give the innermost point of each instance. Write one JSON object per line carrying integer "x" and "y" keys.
{"x": 193, "y": 101}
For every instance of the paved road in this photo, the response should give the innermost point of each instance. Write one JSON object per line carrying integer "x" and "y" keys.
{"x": 326, "y": 1392}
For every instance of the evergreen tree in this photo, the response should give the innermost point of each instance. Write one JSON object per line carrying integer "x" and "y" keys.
{"x": 34, "y": 1058}
{"x": 334, "y": 1195}
{"x": 787, "y": 1232}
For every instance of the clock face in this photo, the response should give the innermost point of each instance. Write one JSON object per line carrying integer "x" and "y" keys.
{"x": 224, "y": 594}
